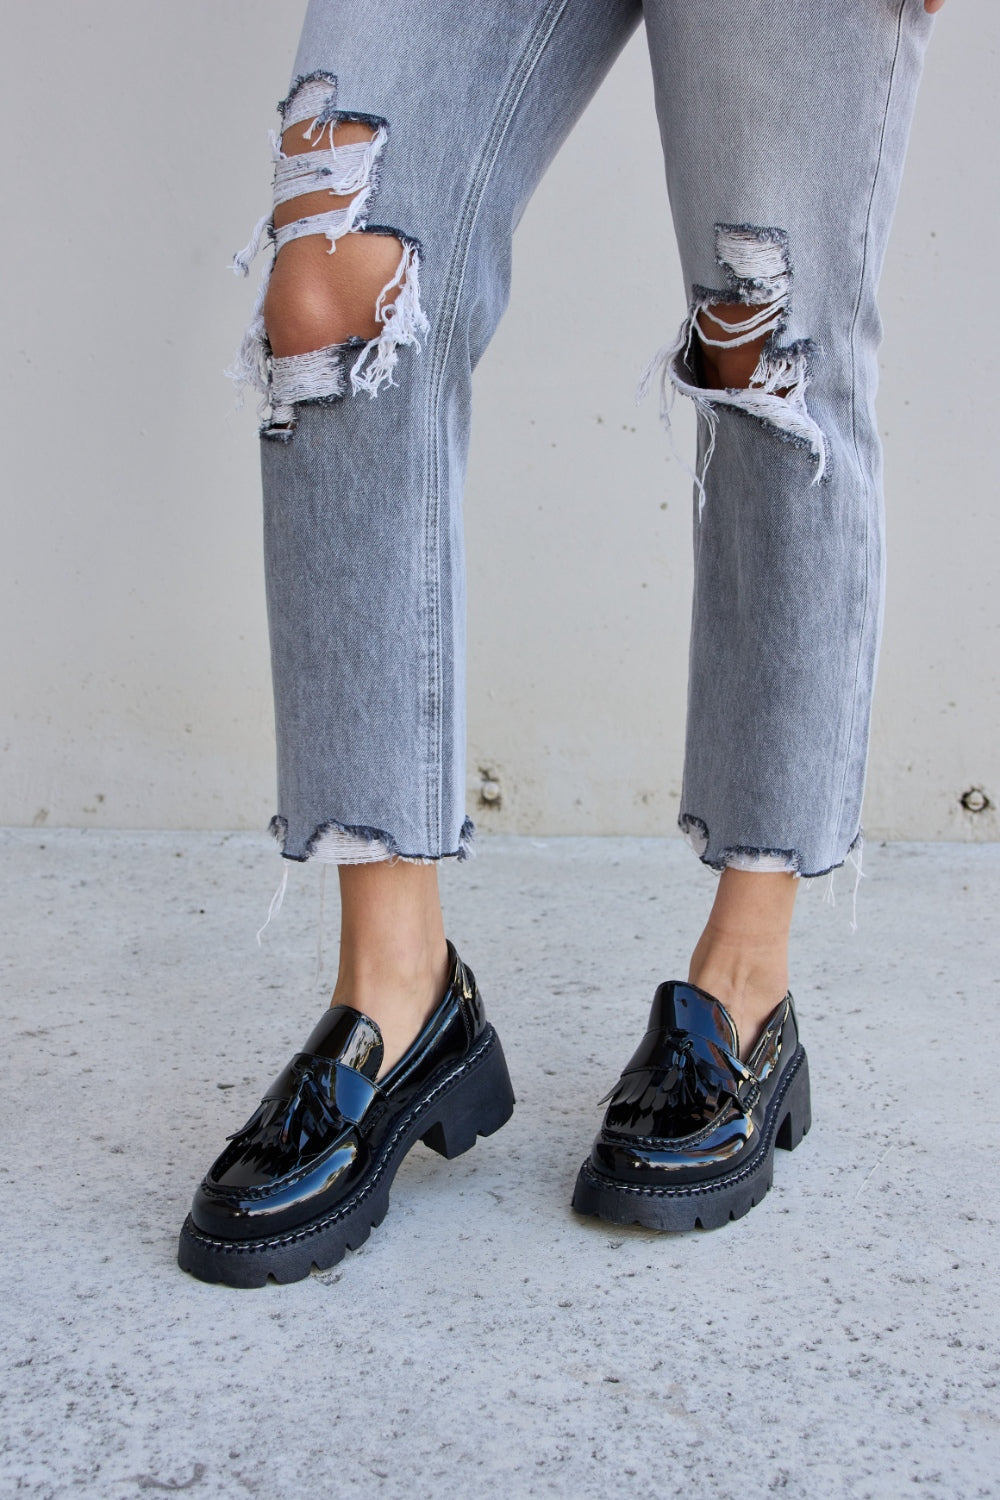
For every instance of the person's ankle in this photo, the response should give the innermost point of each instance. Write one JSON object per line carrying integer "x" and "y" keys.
{"x": 399, "y": 990}
{"x": 750, "y": 991}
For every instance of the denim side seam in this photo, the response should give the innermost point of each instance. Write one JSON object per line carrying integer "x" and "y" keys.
{"x": 879, "y": 159}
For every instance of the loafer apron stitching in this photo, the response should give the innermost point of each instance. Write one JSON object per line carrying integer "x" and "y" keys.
{"x": 315, "y": 1226}
{"x": 717, "y": 1184}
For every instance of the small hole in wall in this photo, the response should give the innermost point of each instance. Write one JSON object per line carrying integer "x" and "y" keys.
{"x": 975, "y": 800}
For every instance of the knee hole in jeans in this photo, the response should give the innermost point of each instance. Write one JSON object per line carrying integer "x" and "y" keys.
{"x": 319, "y": 294}
{"x": 732, "y": 353}
{"x": 341, "y": 296}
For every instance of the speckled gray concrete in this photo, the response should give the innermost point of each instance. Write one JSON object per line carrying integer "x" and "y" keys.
{"x": 839, "y": 1341}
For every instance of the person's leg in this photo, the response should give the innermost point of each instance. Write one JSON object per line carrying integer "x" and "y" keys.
{"x": 363, "y": 499}
{"x": 783, "y": 131}
{"x": 411, "y": 140}
{"x": 782, "y": 225}
{"x": 393, "y": 959}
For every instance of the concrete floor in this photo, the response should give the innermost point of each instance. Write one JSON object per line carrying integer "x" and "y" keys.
{"x": 841, "y": 1340}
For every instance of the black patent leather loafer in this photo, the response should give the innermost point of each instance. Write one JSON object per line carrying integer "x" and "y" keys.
{"x": 308, "y": 1176}
{"x": 689, "y": 1135}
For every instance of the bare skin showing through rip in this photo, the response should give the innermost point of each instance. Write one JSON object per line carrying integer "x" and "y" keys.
{"x": 317, "y": 298}
{"x": 729, "y": 369}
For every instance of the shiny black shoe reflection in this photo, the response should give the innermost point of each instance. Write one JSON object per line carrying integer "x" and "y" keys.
{"x": 308, "y": 1176}
{"x": 689, "y": 1135}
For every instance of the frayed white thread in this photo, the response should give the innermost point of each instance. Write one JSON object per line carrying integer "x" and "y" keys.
{"x": 341, "y": 170}
{"x": 660, "y": 368}
{"x": 348, "y": 169}
{"x": 314, "y": 100}
{"x": 335, "y": 224}
{"x": 344, "y": 846}
{"x": 764, "y": 864}
{"x": 874, "y": 1168}
{"x": 338, "y": 170}
{"x": 305, "y": 377}
{"x": 337, "y": 847}
{"x": 854, "y": 857}
{"x": 756, "y": 257}
{"x": 744, "y": 330}
{"x": 275, "y": 906}
{"x": 696, "y": 841}
{"x": 325, "y": 126}
{"x": 325, "y": 122}
{"x": 402, "y": 320}
{"x": 250, "y": 366}
{"x": 243, "y": 259}
{"x": 781, "y": 370}
{"x": 787, "y": 412}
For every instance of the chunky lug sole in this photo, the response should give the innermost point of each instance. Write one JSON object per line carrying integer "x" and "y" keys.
{"x": 706, "y": 1205}
{"x": 475, "y": 1099}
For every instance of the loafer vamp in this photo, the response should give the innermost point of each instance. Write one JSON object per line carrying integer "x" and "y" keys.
{"x": 317, "y": 1136}
{"x": 236, "y": 1213}
{"x": 298, "y": 1155}
{"x": 677, "y": 1086}
{"x": 686, "y": 1108}
{"x": 302, "y": 1117}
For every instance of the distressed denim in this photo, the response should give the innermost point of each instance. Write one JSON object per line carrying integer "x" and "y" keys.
{"x": 784, "y": 130}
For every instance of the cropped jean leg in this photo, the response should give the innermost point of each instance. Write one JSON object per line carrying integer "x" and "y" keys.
{"x": 363, "y": 475}
{"x": 783, "y": 132}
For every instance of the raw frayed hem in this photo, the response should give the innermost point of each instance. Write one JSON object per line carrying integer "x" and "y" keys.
{"x": 354, "y": 844}
{"x": 775, "y": 861}
{"x": 745, "y": 857}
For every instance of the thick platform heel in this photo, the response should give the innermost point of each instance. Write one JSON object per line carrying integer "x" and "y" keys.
{"x": 796, "y": 1110}
{"x": 479, "y": 1102}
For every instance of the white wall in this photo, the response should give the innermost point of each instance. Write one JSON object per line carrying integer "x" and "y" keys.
{"x": 134, "y": 686}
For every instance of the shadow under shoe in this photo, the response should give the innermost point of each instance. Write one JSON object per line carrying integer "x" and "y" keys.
{"x": 689, "y": 1135}
{"x": 308, "y": 1176}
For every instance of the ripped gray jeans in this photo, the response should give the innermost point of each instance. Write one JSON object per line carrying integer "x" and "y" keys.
{"x": 784, "y": 130}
